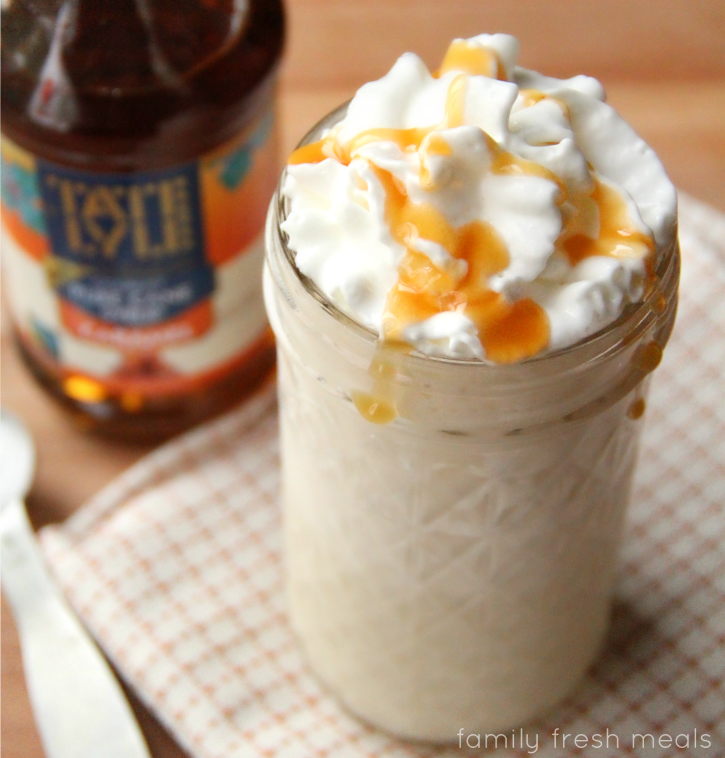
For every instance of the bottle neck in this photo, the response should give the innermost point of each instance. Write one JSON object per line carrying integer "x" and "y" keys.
{"x": 124, "y": 82}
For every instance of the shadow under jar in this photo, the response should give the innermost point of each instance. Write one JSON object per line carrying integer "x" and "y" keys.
{"x": 455, "y": 566}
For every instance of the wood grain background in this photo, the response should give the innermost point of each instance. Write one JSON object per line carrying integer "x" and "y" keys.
{"x": 347, "y": 43}
{"x": 661, "y": 61}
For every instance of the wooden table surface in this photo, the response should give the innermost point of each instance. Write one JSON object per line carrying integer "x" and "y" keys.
{"x": 662, "y": 63}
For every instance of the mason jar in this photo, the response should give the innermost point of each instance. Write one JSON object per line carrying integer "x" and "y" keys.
{"x": 453, "y": 565}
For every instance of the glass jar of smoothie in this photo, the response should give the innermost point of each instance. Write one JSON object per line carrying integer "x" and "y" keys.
{"x": 451, "y": 527}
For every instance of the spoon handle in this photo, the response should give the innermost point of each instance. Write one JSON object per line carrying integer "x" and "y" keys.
{"x": 79, "y": 706}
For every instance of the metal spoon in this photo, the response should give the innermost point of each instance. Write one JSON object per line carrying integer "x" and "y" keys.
{"x": 79, "y": 707}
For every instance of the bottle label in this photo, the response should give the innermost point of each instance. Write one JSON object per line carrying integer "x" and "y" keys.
{"x": 145, "y": 282}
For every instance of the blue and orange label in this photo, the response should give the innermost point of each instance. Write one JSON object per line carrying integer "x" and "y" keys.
{"x": 130, "y": 263}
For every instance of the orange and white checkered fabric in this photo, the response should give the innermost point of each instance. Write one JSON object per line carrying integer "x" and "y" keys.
{"x": 176, "y": 570}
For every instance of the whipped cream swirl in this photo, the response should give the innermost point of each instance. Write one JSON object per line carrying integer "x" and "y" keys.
{"x": 481, "y": 212}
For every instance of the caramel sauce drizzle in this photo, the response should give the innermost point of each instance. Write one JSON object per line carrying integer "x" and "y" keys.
{"x": 315, "y": 152}
{"x": 473, "y": 60}
{"x": 617, "y": 235}
{"x": 372, "y": 408}
{"x": 636, "y": 409}
{"x": 408, "y": 140}
{"x": 379, "y": 406}
{"x": 533, "y": 96}
{"x": 509, "y": 331}
{"x": 507, "y": 164}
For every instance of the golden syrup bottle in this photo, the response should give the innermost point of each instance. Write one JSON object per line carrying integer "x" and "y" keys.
{"x": 139, "y": 156}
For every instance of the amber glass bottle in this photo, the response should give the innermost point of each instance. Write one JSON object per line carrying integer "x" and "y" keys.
{"x": 139, "y": 156}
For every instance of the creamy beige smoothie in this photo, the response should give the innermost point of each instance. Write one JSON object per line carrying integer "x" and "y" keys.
{"x": 471, "y": 274}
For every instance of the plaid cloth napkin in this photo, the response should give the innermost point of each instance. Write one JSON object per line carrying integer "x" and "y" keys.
{"x": 176, "y": 570}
